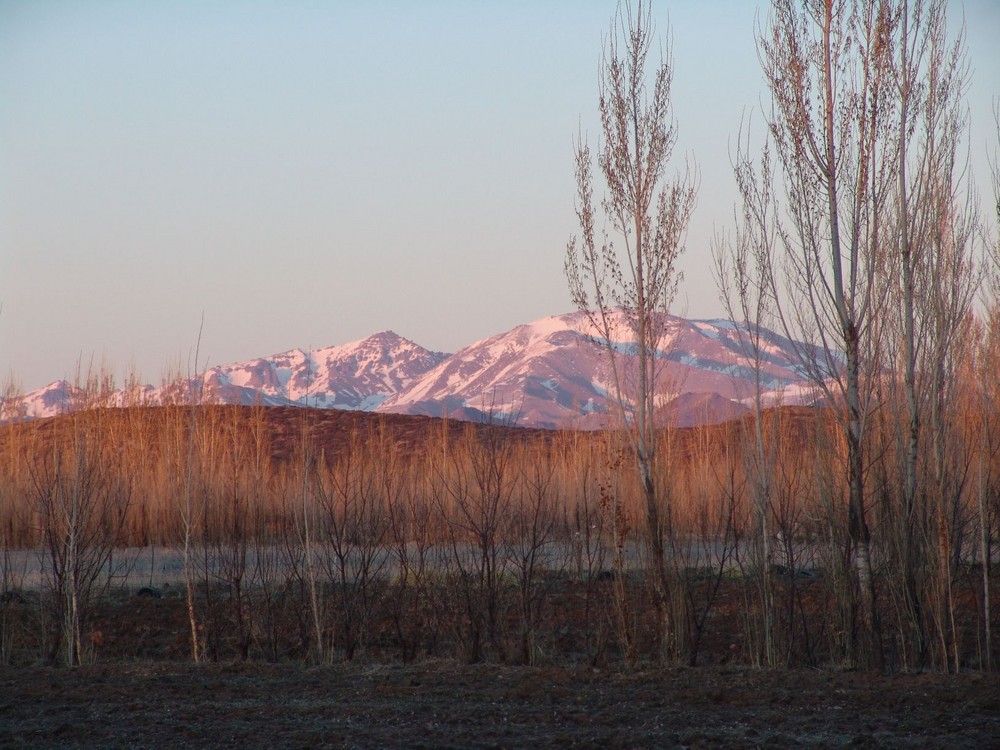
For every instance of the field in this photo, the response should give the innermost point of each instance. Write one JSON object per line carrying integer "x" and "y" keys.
{"x": 138, "y": 690}
{"x": 437, "y": 703}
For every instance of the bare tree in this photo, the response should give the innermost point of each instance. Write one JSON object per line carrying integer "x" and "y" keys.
{"x": 531, "y": 528}
{"x": 868, "y": 254}
{"x": 184, "y": 490}
{"x": 988, "y": 507}
{"x": 935, "y": 230}
{"x": 412, "y": 540}
{"x": 828, "y": 66}
{"x": 82, "y": 503}
{"x": 479, "y": 486}
{"x": 741, "y": 274}
{"x": 628, "y": 278}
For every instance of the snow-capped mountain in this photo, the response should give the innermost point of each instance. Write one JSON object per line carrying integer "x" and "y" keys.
{"x": 359, "y": 375}
{"x": 550, "y": 373}
{"x": 555, "y": 373}
{"x": 49, "y": 401}
{"x": 61, "y": 397}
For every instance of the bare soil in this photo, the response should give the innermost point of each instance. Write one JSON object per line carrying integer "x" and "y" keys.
{"x": 440, "y": 704}
{"x": 140, "y": 690}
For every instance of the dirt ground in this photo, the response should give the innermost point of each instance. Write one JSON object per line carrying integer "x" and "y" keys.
{"x": 441, "y": 704}
{"x": 138, "y": 689}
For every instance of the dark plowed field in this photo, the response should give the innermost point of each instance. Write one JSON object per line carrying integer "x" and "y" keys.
{"x": 441, "y": 704}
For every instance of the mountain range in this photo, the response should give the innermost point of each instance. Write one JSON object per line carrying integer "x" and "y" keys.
{"x": 551, "y": 373}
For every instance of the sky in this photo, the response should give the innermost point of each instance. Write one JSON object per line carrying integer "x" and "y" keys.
{"x": 304, "y": 174}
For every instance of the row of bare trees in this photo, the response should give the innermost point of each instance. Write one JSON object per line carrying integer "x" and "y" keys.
{"x": 860, "y": 233}
{"x": 475, "y": 527}
{"x": 481, "y": 541}
{"x": 859, "y": 237}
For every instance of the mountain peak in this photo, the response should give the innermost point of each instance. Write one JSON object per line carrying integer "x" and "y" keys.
{"x": 552, "y": 372}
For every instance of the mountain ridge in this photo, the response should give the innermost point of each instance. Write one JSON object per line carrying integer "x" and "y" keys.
{"x": 550, "y": 373}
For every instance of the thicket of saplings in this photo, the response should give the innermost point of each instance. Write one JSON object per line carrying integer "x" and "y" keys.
{"x": 485, "y": 542}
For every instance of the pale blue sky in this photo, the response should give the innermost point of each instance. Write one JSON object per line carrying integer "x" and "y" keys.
{"x": 307, "y": 173}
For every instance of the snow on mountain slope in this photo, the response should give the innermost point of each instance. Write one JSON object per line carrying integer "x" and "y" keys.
{"x": 554, "y": 373}
{"x": 61, "y": 396}
{"x": 550, "y": 373}
{"x": 544, "y": 373}
{"x": 49, "y": 401}
{"x": 359, "y": 375}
